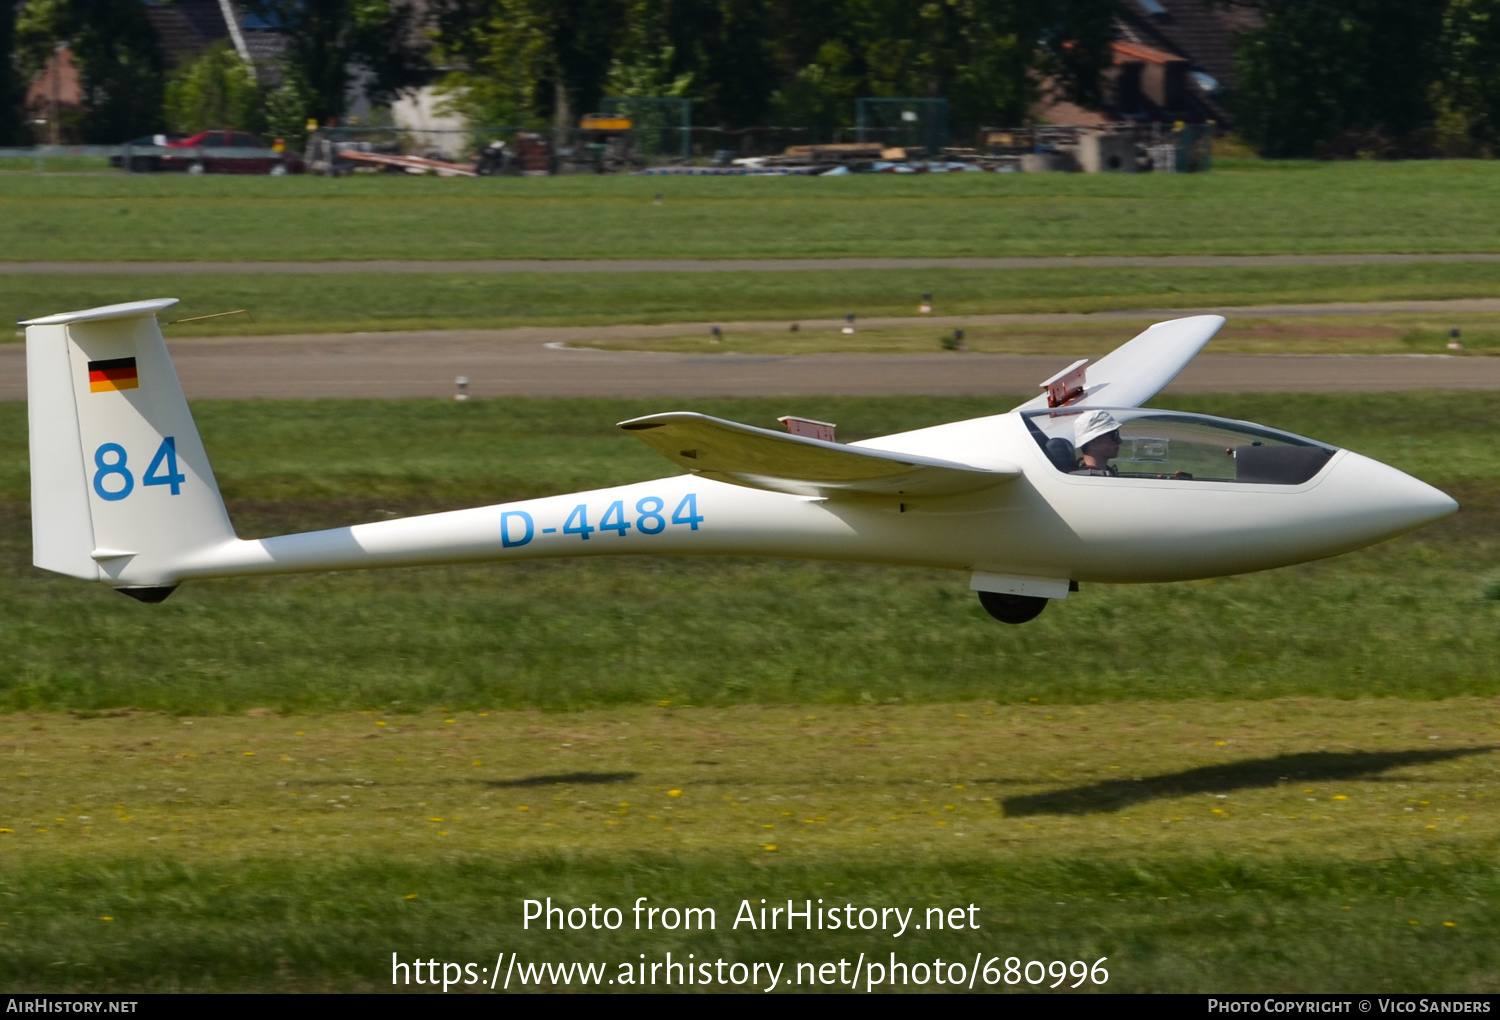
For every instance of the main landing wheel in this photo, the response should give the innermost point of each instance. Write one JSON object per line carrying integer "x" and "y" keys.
{"x": 1012, "y": 608}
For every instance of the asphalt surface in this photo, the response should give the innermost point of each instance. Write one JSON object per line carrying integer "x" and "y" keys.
{"x": 502, "y": 266}
{"x": 552, "y": 362}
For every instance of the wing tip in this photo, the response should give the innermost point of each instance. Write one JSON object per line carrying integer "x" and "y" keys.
{"x": 1205, "y": 318}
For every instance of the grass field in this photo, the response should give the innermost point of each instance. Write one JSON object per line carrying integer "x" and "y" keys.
{"x": 1297, "y": 207}
{"x": 313, "y": 304}
{"x": 57, "y": 165}
{"x": 1277, "y": 782}
{"x": 1449, "y": 206}
{"x": 1274, "y": 782}
{"x": 1298, "y": 844}
{"x": 1408, "y": 618}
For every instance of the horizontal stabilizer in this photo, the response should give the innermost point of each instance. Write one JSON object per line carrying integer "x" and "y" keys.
{"x": 1135, "y": 372}
{"x": 104, "y": 313}
{"x": 762, "y": 459}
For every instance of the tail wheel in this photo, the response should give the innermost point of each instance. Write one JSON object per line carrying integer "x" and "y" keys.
{"x": 1012, "y": 608}
{"x": 151, "y": 595}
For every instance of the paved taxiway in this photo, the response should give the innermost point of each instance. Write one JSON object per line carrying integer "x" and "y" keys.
{"x": 552, "y": 362}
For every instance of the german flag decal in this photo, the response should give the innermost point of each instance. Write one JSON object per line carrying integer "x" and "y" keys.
{"x": 114, "y": 374}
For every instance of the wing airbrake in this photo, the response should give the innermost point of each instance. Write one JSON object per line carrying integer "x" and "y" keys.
{"x": 762, "y": 459}
{"x": 1135, "y": 372}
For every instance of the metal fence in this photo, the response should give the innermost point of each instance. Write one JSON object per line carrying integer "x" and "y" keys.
{"x": 663, "y": 127}
{"x": 902, "y": 123}
{"x": 1174, "y": 148}
{"x": 147, "y": 158}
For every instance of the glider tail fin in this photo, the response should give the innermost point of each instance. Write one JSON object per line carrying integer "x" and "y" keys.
{"x": 121, "y": 488}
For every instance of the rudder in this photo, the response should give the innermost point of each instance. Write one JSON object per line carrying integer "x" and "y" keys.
{"x": 121, "y": 487}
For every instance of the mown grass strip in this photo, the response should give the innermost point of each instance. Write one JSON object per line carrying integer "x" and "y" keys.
{"x": 1176, "y": 924}
{"x": 1215, "y": 837}
{"x": 1238, "y": 209}
{"x": 1231, "y": 845}
{"x": 1412, "y": 618}
{"x": 313, "y": 304}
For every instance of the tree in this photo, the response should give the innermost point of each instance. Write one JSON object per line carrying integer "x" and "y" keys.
{"x": 727, "y": 47}
{"x": 215, "y": 91}
{"x": 1074, "y": 46}
{"x": 1328, "y": 77}
{"x": 986, "y": 57}
{"x": 119, "y": 64}
{"x": 219, "y": 90}
{"x": 1467, "y": 95}
{"x": 821, "y": 93}
{"x": 331, "y": 44}
{"x": 745, "y": 61}
{"x": 505, "y": 49}
{"x": 643, "y": 61}
{"x": 13, "y": 129}
{"x": 523, "y": 60}
{"x": 288, "y": 107}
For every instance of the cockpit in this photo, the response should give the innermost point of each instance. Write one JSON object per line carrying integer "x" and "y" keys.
{"x": 1146, "y": 443}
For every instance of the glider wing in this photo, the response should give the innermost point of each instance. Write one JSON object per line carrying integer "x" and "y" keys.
{"x": 1135, "y": 372}
{"x": 762, "y": 459}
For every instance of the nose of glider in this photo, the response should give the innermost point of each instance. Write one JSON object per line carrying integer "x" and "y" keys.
{"x": 1387, "y": 502}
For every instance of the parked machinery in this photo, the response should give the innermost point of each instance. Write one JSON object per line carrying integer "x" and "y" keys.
{"x": 529, "y": 155}
{"x": 602, "y": 144}
{"x": 495, "y": 160}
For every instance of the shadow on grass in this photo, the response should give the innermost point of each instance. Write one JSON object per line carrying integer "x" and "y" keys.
{"x": 565, "y": 779}
{"x": 1114, "y": 794}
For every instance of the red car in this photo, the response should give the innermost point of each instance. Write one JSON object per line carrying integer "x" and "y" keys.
{"x": 258, "y": 156}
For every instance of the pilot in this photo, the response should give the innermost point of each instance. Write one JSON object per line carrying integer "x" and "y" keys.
{"x": 1097, "y": 438}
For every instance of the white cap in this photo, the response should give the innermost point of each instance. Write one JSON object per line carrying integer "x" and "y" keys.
{"x": 1091, "y": 425}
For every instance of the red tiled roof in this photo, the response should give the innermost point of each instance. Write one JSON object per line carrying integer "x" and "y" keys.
{"x": 1201, "y": 32}
{"x": 1125, "y": 52}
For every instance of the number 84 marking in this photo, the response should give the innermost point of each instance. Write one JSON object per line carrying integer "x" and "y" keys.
{"x": 113, "y": 480}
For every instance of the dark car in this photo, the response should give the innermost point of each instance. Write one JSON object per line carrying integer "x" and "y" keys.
{"x": 258, "y": 157}
{"x": 145, "y": 162}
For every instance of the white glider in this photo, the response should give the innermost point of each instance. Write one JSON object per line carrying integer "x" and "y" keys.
{"x": 122, "y": 491}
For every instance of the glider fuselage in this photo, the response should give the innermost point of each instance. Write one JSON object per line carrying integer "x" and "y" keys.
{"x": 122, "y": 490}
{"x": 1046, "y": 524}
